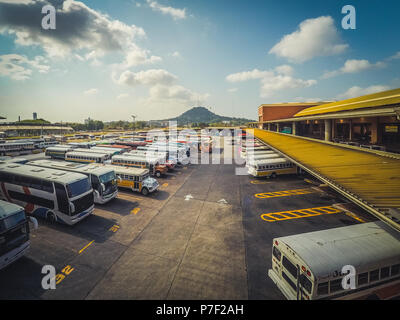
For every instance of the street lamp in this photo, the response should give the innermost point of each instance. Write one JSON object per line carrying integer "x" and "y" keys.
{"x": 134, "y": 120}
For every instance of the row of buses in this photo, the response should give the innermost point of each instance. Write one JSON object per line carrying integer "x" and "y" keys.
{"x": 261, "y": 161}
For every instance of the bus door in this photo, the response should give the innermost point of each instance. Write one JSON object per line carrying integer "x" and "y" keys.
{"x": 62, "y": 199}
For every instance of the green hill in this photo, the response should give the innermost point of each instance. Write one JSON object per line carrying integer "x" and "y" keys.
{"x": 203, "y": 115}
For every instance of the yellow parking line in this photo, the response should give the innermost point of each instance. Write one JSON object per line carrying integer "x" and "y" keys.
{"x": 85, "y": 247}
{"x": 259, "y": 182}
{"x": 284, "y": 193}
{"x": 164, "y": 185}
{"x": 297, "y": 214}
{"x": 135, "y": 211}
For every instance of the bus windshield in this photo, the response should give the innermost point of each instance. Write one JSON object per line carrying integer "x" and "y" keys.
{"x": 109, "y": 176}
{"x": 78, "y": 187}
{"x": 12, "y": 221}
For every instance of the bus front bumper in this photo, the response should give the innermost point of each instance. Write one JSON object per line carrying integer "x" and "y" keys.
{"x": 82, "y": 215}
{"x": 275, "y": 278}
{"x": 14, "y": 255}
{"x": 107, "y": 197}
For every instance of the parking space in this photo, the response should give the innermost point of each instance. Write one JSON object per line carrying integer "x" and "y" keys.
{"x": 206, "y": 234}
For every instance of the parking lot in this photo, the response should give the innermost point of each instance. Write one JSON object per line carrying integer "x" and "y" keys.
{"x": 206, "y": 234}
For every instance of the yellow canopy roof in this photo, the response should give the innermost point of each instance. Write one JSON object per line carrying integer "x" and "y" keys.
{"x": 371, "y": 100}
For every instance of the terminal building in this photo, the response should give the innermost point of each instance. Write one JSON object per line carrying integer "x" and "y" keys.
{"x": 370, "y": 121}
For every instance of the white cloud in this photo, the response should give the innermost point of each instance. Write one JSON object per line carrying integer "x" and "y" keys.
{"x": 137, "y": 56}
{"x": 149, "y": 77}
{"x": 19, "y": 67}
{"x": 91, "y": 92}
{"x": 395, "y": 57}
{"x": 173, "y": 12}
{"x": 315, "y": 37}
{"x": 248, "y": 75}
{"x": 80, "y": 32}
{"x": 272, "y": 81}
{"x": 356, "y": 91}
{"x": 176, "y": 93}
{"x": 122, "y": 96}
{"x": 354, "y": 66}
{"x": 232, "y": 90}
{"x": 176, "y": 54}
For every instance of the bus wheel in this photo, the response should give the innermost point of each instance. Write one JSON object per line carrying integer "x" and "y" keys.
{"x": 51, "y": 217}
{"x": 273, "y": 175}
{"x": 158, "y": 174}
{"x": 145, "y": 191}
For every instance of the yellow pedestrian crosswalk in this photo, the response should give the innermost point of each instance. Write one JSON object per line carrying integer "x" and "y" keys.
{"x": 300, "y": 213}
{"x": 285, "y": 193}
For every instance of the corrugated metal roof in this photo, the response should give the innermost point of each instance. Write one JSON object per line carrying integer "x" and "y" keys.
{"x": 380, "y": 99}
{"x": 373, "y": 178}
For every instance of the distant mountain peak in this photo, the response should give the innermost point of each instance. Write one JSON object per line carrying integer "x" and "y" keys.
{"x": 202, "y": 114}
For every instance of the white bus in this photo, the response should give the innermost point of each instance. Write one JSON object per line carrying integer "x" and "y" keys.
{"x": 163, "y": 156}
{"x": 136, "y": 179}
{"x": 113, "y": 151}
{"x": 270, "y": 167}
{"x": 108, "y": 153}
{"x": 8, "y": 147}
{"x": 58, "y": 152}
{"x": 309, "y": 266}
{"x": 14, "y": 233}
{"x": 258, "y": 157}
{"x": 102, "y": 179}
{"x": 86, "y": 157}
{"x": 56, "y": 195}
{"x": 152, "y": 164}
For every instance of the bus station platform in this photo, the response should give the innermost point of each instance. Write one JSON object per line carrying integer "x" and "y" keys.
{"x": 370, "y": 180}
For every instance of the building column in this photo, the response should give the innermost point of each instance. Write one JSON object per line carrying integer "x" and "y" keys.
{"x": 350, "y": 130}
{"x": 277, "y": 127}
{"x": 328, "y": 130}
{"x": 294, "y": 125}
{"x": 269, "y": 127}
{"x": 333, "y": 129}
{"x": 374, "y": 130}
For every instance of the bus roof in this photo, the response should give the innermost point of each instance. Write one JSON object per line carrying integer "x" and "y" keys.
{"x": 367, "y": 245}
{"x": 8, "y": 209}
{"x": 122, "y": 169}
{"x": 42, "y": 173}
{"x": 73, "y": 166}
{"x": 91, "y": 154}
{"x": 270, "y": 161}
{"x": 138, "y": 157}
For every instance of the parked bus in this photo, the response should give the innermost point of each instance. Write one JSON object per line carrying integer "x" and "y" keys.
{"x": 14, "y": 233}
{"x": 164, "y": 157}
{"x": 108, "y": 153}
{"x": 8, "y": 147}
{"x": 152, "y": 164}
{"x": 13, "y": 160}
{"x": 86, "y": 157}
{"x": 309, "y": 266}
{"x": 136, "y": 179}
{"x": 102, "y": 179}
{"x": 270, "y": 167}
{"x": 257, "y": 157}
{"x": 84, "y": 145}
{"x": 112, "y": 151}
{"x": 118, "y": 146}
{"x": 58, "y": 152}
{"x": 56, "y": 195}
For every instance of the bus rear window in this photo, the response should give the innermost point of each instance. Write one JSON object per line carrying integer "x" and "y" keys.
{"x": 277, "y": 254}
{"x": 290, "y": 267}
{"x": 78, "y": 187}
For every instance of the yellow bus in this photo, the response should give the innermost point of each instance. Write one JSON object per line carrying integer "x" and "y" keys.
{"x": 86, "y": 157}
{"x": 270, "y": 167}
{"x": 136, "y": 179}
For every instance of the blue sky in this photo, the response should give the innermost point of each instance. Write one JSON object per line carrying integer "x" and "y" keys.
{"x": 157, "y": 58}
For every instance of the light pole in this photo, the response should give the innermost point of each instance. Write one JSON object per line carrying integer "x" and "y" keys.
{"x": 134, "y": 120}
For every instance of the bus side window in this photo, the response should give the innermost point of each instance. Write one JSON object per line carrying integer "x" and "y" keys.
{"x": 374, "y": 275}
{"x": 323, "y": 288}
{"x": 62, "y": 199}
{"x": 362, "y": 278}
{"x": 336, "y": 285}
{"x": 395, "y": 270}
